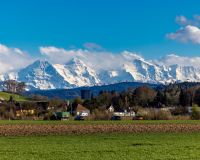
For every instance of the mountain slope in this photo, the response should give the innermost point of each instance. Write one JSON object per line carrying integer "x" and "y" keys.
{"x": 77, "y": 73}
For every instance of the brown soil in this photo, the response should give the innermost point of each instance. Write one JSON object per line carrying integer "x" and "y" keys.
{"x": 60, "y": 129}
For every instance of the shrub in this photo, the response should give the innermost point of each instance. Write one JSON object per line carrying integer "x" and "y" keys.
{"x": 9, "y": 115}
{"x": 156, "y": 114}
{"x": 100, "y": 115}
{"x": 195, "y": 112}
{"x": 163, "y": 115}
{"x": 179, "y": 111}
{"x": 48, "y": 116}
{"x": 181, "y": 117}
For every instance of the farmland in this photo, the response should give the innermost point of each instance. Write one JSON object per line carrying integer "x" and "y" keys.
{"x": 102, "y": 146}
{"x": 29, "y": 128}
{"x": 99, "y": 140}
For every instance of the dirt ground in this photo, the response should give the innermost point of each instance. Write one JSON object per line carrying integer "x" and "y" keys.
{"x": 62, "y": 129}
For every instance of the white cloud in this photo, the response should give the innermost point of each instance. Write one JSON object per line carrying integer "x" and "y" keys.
{"x": 97, "y": 59}
{"x": 186, "y": 34}
{"x": 60, "y": 55}
{"x": 173, "y": 59}
{"x": 109, "y": 60}
{"x": 189, "y": 30}
{"x": 12, "y": 59}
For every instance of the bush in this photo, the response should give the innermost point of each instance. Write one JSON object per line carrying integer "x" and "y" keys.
{"x": 100, "y": 115}
{"x": 163, "y": 115}
{"x": 9, "y": 115}
{"x": 156, "y": 114}
{"x": 48, "y": 116}
{"x": 181, "y": 117}
{"x": 195, "y": 112}
{"x": 179, "y": 111}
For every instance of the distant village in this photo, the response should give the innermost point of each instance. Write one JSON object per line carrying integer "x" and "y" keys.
{"x": 174, "y": 101}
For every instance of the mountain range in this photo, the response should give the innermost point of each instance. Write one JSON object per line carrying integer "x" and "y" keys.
{"x": 44, "y": 75}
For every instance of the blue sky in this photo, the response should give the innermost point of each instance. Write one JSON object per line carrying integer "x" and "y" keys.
{"x": 116, "y": 25}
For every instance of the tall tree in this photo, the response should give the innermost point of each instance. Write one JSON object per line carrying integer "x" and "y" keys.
{"x": 144, "y": 95}
{"x": 197, "y": 97}
{"x": 186, "y": 97}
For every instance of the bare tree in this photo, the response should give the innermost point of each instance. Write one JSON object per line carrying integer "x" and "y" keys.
{"x": 10, "y": 86}
{"x": 21, "y": 86}
{"x": 14, "y": 86}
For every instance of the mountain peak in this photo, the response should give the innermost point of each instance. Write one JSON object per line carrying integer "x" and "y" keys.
{"x": 40, "y": 63}
{"x": 131, "y": 56}
{"x": 75, "y": 61}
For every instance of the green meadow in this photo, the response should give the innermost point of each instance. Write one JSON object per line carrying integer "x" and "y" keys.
{"x": 160, "y": 146}
{"x": 16, "y": 97}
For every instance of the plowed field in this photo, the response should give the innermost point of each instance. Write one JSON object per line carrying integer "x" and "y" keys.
{"x": 62, "y": 129}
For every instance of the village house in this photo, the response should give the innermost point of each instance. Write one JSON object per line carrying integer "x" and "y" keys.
{"x": 119, "y": 111}
{"x": 24, "y": 112}
{"x": 110, "y": 109}
{"x": 80, "y": 110}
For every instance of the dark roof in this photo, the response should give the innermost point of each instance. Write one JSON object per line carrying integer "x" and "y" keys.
{"x": 117, "y": 109}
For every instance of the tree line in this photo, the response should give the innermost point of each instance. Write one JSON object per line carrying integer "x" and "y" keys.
{"x": 172, "y": 95}
{"x": 179, "y": 95}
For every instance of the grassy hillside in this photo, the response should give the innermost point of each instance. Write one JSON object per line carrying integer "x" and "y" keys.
{"x": 16, "y": 97}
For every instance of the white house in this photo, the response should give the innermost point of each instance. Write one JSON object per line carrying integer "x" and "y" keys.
{"x": 110, "y": 109}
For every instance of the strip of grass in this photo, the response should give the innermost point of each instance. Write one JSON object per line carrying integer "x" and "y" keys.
{"x": 102, "y": 147}
{"x": 16, "y": 97}
{"x": 101, "y": 122}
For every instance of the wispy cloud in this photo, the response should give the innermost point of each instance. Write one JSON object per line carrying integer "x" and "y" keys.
{"x": 92, "y": 46}
{"x": 173, "y": 59}
{"x": 184, "y": 21}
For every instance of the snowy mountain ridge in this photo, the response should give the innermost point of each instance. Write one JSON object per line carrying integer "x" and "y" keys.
{"x": 77, "y": 72}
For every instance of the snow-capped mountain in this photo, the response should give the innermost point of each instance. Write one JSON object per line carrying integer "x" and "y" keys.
{"x": 77, "y": 72}
{"x": 40, "y": 74}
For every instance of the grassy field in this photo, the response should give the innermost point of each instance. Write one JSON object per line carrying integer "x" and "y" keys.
{"x": 102, "y": 147}
{"x": 16, "y": 97}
